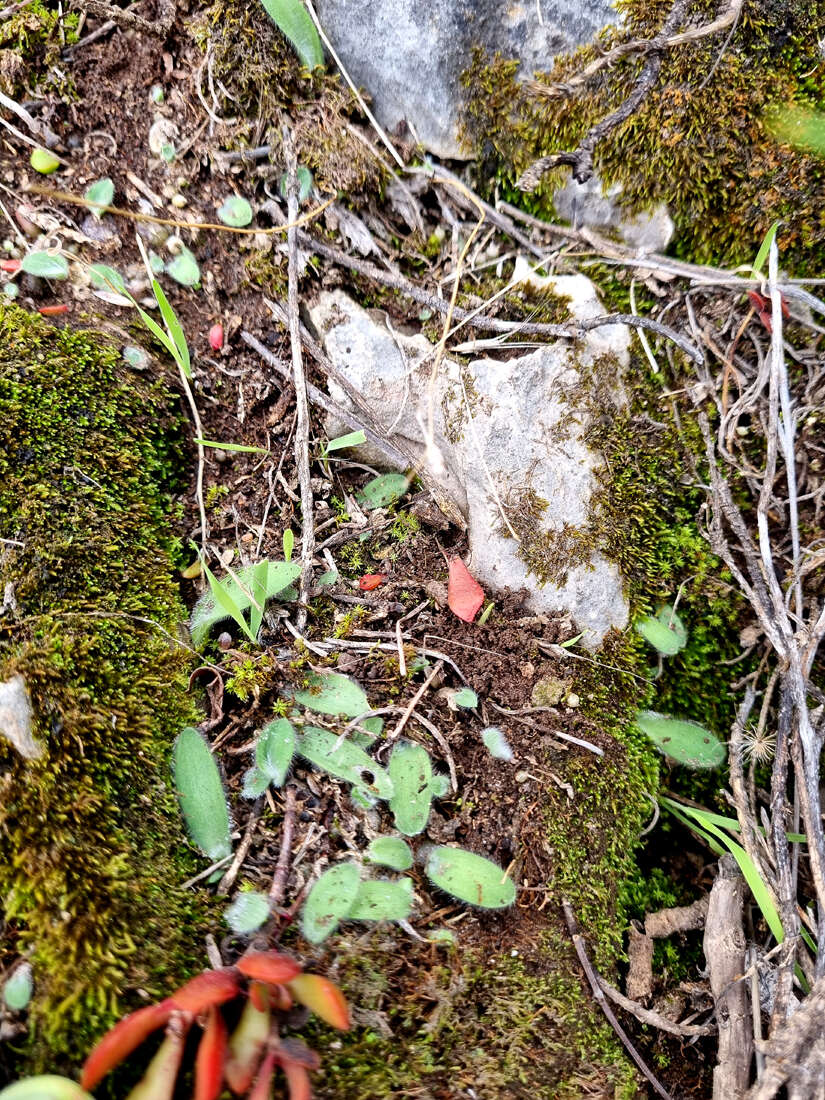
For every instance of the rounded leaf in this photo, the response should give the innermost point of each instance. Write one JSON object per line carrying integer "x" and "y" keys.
{"x": 322, "y": 997}
{"x": 201, "y": 795}
{"x": 269, "y": 966}
{"x": 383, "y": 490}
{"x": 44, "y": 162}
{"x": 382, "y": 899}
{"x": 100, "y": 194}
{"x": 45, "y": 265}
{"x": 17, "y": 992}
{"x": 329, "y": 901}
{"x": 470, "y": 878}
{"x": 333, "y": 693}
{"x": 275, "y": 749}
{"x": 184, "y": 269}
{"x": 666, "y": 632}
{"x": 391, "y": 851}
{"x": 411, "y": 773}
{"x": 496, "y": 743}
{"x": 235, "y": 211}
{"x": 47, "y": 1087}
{"x": 247, "y": 912}
{"x": 685, "y": 742}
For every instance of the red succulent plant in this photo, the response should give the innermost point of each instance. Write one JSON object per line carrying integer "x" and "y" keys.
{"x": 244, "y": 1061}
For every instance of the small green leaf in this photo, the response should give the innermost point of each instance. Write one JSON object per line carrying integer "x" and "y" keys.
{"x": 383, "y": 490}
{"x": 351, "y": 439}
{"x": 344, "y": 760}
{"x": 305, "y": 183}
{"x": 230, "y": 597}
{"x": 687, "y": 743}
{"x": 470, "y": 878}
{"x": 496, "y": 743}
{"x": 47, "y": 1087}
{"x": 391, "y": 851}
{"x": 44, "y": 162}
{"x": 764, "y": 249}
{"x": 666, "y": 632}
{"x": 289, "y": 543}
{"x": 101, "y": 194}
{"x": 332, "y": 693}
{"x": 231, "y": 446}
{"x": 45, "y": 265}
{"x": 382, "y": 899}
{"x": 184, "y": 269}
{"x": 442, "y": 935}
{"x": 328, "y": 578}
{"x": 292, "y": 20}
{"x": 170, "y": 318}
{"x": 103, "y": 277}
{"x": 275, "y": 749}
{"x": 17, "y": 992}
{"x": 411, "y": 774}
{"x": 254, "y": 783}
{"x": 465, "y": 698}
{"x": 329, "y": 901}
{"x": 167, "y": 151}
{"x": 235, "y": 211}
{"x": 201, "y": 794}
{"x": 247, "y": 912}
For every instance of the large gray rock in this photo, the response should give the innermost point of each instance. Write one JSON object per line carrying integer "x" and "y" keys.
{"x": 507, "y": 446}
{"x": 409, "y": 54}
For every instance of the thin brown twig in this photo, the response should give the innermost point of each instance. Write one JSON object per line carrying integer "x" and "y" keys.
{"x": 243, "y": 849}
{"x": 653, "y": 1019}
{"x": 278, "y": 887}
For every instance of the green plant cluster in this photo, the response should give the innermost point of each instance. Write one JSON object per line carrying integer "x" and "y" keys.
{"x": 700, "y": 142}
{"x": 89, "y": 833}
{"x": 30, "y": 45}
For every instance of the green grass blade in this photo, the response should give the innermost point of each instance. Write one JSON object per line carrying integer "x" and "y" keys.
{"x": 224, "y": 600}
{"x": 764, "y": 249}
{"x": 293, "y": 20}
{"x": 173, "y": 325}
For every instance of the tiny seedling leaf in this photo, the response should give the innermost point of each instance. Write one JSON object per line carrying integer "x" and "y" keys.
{"x": 345, "y": 761}
{"x": 390, "y": 851}
{"x": 289, "y": 543}
{"x": 351, "y": 439}
{"x": 44, "y": 162}
{"x": 333, "y": 693}
{"x": 17, "y": 992}
{"x": 103, "y": 277}
{"x": 230, "y": 597}
{"x": 465, "y": 697}
{"x": 496, "y": 743}
{"x": 293, "y": 21}
{"x": 687, "y": 743}
{"x": 411, "y": 774}
{"x": 666, "y": 632}
{"x": 383, "y": 490}
{"x": 246, "y": 449}
{"x": 275, "y": 749}
{"x": 470, "y": 878}
{"x": 45, "y": 265}
{"x": 329, "y": 901}
{"x": 328, "y": 578}
{"x": 201, "y": 794}
{"x": 235, "y": 211}
{"x": 184, "y": 269}
{"x": 305, "y": 183}
{"x": 100, "y": 194}
{"x": 46, "y": 1087}
{"x": 764, "y": 249}
{"x": 382, "y": 899}
{"x": 247, "y": 912}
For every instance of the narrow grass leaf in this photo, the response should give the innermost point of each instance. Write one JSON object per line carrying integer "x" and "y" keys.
{"x": 293, "y": 21}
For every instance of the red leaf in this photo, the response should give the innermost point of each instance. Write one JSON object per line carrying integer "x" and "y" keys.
{"x": 371, "y": 580}
{"x": 297, "y": 1079}
{"x": 210, "y": 1058}
{"x": 53, "y": 311}
{"x": 464, "y": 594}
{"x": 212, "y": 987}
{"x": 216, "y": 337}
{"x": 323, "y": 997}
{"x": 269, "y": 966}
{"x": 10, "y": 265}
{"x": 758, "y": 301}
{"x": 260, "y": 1090}
{"x": 766, "y": 319}
{"x": 125, "y": 1036}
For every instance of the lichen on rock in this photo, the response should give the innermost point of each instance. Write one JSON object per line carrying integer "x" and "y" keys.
{"x": 89, "y": 833}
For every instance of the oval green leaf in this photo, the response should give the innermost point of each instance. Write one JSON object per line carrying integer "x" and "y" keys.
{"x": 345, "y": 761}
{"x": 685, "y": 742}
{"x": 333, "y": 693}
{"x": 382, "y": 899}
{"x": 383, "y": 490}
{"x": 17, "y": 992}
{"x": 293, "y": 21}
{"x": 275, "y": 749}
{"x": 390, "y": 851}
{"x": 100, "y": 194}
{"x": 103, "y": 277}
{"x": 247, "y": 912}
{"x": 184, "y": 269}
{"x": 470, "y": 878}
{"x": 235, "y": 211}
{"x": 44, "y": 162}
{"x": 411, "y": 774}
{"x": 666, "y": 632}
{"x": 201, "y": 795}
{"x": 329, "y": 901}
{"x": 45, "y": 265}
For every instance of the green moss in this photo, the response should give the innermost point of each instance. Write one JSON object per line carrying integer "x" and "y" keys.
{"x": 699, "y": 142}
{"x": 90, "y": 838}
{"x": 30, "y": 43}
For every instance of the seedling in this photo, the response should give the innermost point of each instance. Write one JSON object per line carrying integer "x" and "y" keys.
{"x": 45, "y": 265}
{"x": 247, "y": 590}
{"x": 329, "y": 901}
{"x": 247, "y": 912}
{"x": 666, "y": 632}
{"x": 496, "y": 743}
{"x": 305, "y": 183}
{"x": 44, "y": 162}
{"x": 100, "y": 195}
{"x": 391, "y": 851}
{"x": 351, "y": 439}
{"x": 687, "y": 743}
{"x": 465, "y": 698}
{"x": 415, "y": 785}
{"x": 332, "y": 693}
{"x": 345, "y": 761}
{"x": 184, "y": 269}
{"x": 273, "y": 755}
{"x": 289, "y": 543}
{"x": 17, "y": 992}
{"x": 383, "y": 491}
{"x": 201, "y": 795}
{"x": 470, "y": 878}
{"x": 235, "y": 211}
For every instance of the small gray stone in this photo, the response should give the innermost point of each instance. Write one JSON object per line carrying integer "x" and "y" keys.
{"x": 588, "y": 205}
{"x": 16, "y": 718}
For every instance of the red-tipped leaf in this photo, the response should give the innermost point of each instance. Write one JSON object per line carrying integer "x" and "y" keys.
{"x": 126, "y": 1036}
{"x": 464, "y": 594}
{"x": 158, "y": 1083}
{"x": 323, "y": 997}
{"x": 269, "y": 966}
{"x": 211, "y": 1057}
{"x": 246, "y": 1046}
{"x": 212, "y": 987}
{"x": 260, "y": 1090}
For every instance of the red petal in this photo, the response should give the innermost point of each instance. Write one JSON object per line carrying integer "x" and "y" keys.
{"x": 297, "y": 1079}
{"x": 210, "y": 1058}
{"x": 269, "y": 966}
{"x": 464, "y": 594}
{"x": 213, "y": 987}
{"x": 371, "y": 580}
{"x": 323, "y": 997}
{"x": 125, "y": 1036}
{"x": 260, "y": 1090}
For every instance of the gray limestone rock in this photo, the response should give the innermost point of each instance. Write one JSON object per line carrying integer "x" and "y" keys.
{"x": 16, "y": 718}
{"x": 409, "y": 55}
{"x": 590, "y": 205}
{"x": 504, "y": 433}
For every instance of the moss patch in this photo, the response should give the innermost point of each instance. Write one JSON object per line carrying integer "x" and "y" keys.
{"x": 699, "y": 143}
{"x": 90, "y": 841}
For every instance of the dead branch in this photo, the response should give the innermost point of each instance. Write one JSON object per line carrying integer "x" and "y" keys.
{"x": 127, "y": 19}
{"x": 724, "y": 946}
{"x": 654, "y": 1019}
{"x": 635, "y": 46}
{"x": 787, "y": 1052}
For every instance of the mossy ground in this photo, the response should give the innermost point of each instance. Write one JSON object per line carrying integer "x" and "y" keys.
{"x": 700, "y": 142}
{"x": 90, "y": 840}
